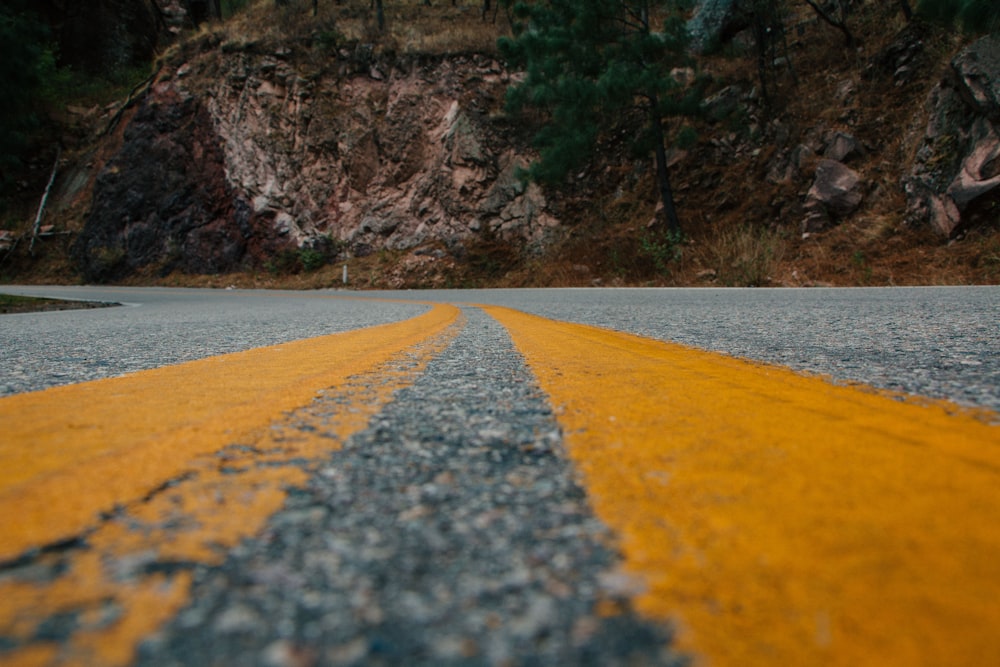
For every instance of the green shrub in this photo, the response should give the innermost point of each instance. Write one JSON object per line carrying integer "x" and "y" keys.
{"x": 663, "y": 248}
{"x": 285, "y": 262}
{"x": 312, "y": 259}
{"x": 687, "y": 138}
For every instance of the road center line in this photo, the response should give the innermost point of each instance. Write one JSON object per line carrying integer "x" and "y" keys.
{"x": 779, "y": 518}
{"x": 97, "y": 599}
{"x": 70, "y": 453}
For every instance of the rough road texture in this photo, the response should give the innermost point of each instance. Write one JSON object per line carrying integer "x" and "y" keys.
{"x": 451, "y": 531}
{"x": 41, "y": 350}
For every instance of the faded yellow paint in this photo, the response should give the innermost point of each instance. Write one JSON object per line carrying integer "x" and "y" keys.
{"x": 69, "y": 453}
{"x": 777, "y": 518}
{"x": 204, "y": 497}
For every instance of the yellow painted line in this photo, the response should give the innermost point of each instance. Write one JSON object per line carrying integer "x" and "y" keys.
{"x": 190, "y": 458}
{"x": 780, "y": 519}
{"x": 89, "y": 447}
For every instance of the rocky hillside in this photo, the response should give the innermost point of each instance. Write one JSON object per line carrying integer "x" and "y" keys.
{"x": 277, "y": 147}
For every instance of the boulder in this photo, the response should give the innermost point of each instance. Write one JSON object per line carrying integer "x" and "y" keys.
{"x": 905, "y": 57}
{"x": 712, "y": 22}
{"x": 956, "y": 173}
{"x": 977, "y": 70}
{"x": 842, "y": 147}
{"x": 836, "y": 192}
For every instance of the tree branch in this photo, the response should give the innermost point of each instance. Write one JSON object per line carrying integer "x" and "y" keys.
{"x": 131, "y": 100}
{"x": 839, "y": 25}
{"x": 45, "y": 198}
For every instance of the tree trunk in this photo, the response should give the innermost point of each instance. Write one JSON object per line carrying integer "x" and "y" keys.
{"x": 839, "y": 24}
{"x": 907, "y": 10}
{"x": 662, "y": 175}
{"x": 380, "y": 15}
{"x": 45, "y": 198}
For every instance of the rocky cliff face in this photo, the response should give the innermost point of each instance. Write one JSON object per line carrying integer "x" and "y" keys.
{"x": 240, "y": 152}
{"x": 243, "y": 152}
{"x": 956, "y": 175}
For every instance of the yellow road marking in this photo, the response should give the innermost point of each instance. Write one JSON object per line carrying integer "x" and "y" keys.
{"x": 137, "y": 431}
{"x": 781, "y": 519}
{"x": 214, "y": 495}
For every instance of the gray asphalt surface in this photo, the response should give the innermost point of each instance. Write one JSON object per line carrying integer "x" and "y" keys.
{"x": 941, "y": 342}
{"x": 157, "y": 327}
{"x": 453, "y": 530}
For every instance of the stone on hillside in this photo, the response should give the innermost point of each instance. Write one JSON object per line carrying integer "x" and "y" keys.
{"x": 835, "y": 194}
{"x": 790, "y": 165}
{"x": 842, "y": 147}
{"x": 463, "y": 141}
{"x": 163, "y": 200}
{"x": 711, "y": 22}
{"x": 506, "y": 188}
{"x": 978, "y": 71}
{"x": 905, "y": 57}
{"x": 980, "y": 172}
{"x": 723, "y": 104}
{"x": 956, "y": 173}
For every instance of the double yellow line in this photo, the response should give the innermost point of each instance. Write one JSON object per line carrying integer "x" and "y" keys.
{"x": 775, "y": 518}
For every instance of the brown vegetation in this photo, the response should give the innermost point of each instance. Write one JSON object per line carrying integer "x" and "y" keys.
{"x": 742, "y": 227}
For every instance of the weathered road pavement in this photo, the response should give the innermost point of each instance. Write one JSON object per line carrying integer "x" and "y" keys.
{"x": 480, "y": 486}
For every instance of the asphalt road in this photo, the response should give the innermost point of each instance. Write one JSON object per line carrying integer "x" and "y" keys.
{"x": 155, "y": 327}
{"x": 430, "y": 508}
{"x": 940, "y": 342}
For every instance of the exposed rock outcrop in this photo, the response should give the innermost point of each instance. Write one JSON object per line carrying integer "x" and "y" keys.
{"x": 163, "y": 200}
{"x": 285, "y": 154}
{"x": 956, "y": 174}
{"x": 843, "y": 147}
{"x": 713, "y": 21}
{"x": 835, "y": 193}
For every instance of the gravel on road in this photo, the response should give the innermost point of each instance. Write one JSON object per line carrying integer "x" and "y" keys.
{"x": 451, "y": 531}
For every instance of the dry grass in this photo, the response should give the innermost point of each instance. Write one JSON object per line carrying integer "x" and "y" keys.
{"x": 411, "y": 26}
{"x": 744, "y": 256}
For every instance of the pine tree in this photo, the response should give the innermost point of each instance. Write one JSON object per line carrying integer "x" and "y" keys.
{"x": 587, "y": 62}
{"x": 974, "y": 16}
{"x": 25, "y": 53}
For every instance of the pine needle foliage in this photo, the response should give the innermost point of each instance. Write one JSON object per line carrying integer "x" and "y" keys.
{"x": 974, "y": 16}
{"x": 587, "y": 63}
{"x": 25, "y": 55}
